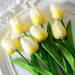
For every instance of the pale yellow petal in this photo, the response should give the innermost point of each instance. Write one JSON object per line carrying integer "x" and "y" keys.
{"x": 58, "y": 30}
{"x": 37, "y": 16}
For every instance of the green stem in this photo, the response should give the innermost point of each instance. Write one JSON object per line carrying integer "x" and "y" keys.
{"x": 62, "y": 40}
{"x": 62, "y": 22}
{"x": 24, "y": 33}
{"x": 19, "y": 38}
{"x": 23, "y": 57}
{"x": 42, "y": 26}
{"x": 30, "y": 35}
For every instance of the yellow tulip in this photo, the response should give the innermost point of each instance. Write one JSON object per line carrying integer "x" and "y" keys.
{"x": 9, "y": 45}
{"x": 29, "y": 45}
{"x": 58, "y": 30}
{"x": 38, "y": 33}
{"x": 18, "y": 25}
{"x": 57, "y": 11}
{"x": 37, "y": 16}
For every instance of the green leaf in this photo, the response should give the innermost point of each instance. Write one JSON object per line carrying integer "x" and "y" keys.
{"x": 50, "y": 37}
{"x": 34, "y": 60}
{"x": 67, "y": 67}
{"x": 64, "y": 62}
{"x": 69, "y": 47}
{"x": 30, "y": 68}
{"x": 42, "y": 56}
{"x": 51, "y": 43}
{"x": 69, "y": 70}
{"x": 67, "y": 55}
{"x": 69, "y": 34}
{"x": 52, "y": 65}
{"x": 53, "y": 53}
{"x": 23, "y": 65}
{"x": 62, "y": 22}
{"x": 70, "y": 39}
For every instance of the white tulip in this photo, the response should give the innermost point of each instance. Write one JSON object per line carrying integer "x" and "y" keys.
{"x": 29, "y": 45}
{"x": 18, "y": 25}
{"x": 9, "y": 45}
{"x": 58, "y": 30}
{"x": 37, "y": 16}
{"x": 57, "y": 11}
{"x": 39, "y": 33}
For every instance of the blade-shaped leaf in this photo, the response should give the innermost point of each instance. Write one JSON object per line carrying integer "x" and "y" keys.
{"x": 30, "y": 68}
{"x": 50, "y": 37}
{"x": 64, "y": 62}
{"x": 53, "y": 53}
{"x": 68, "y": 70}
{"x": 34, "y": 60}
{"x": 52, "y": 65}
{"x": 69, "y": 47}
{"x": 69, "y": 34}
{"x": 67, "y": 55}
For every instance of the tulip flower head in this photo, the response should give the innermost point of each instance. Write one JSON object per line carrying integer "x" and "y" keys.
{"x": 18, "y": 25}
{"x": 39, "y": 33}
{"x": 9, "y": 45}
{"x": 57, "y": 11}
{"x": 37, "y": 16}
{"x": 29, "y": 45}
{"x": 58, "y": 30}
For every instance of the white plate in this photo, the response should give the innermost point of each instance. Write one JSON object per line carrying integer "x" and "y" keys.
{"x": 7, "y": 68}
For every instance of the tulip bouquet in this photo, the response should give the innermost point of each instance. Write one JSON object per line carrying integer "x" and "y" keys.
{"x": 42, "y": 44}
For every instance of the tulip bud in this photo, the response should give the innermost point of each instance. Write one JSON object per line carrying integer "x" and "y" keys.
{"x": 9, "y": 45}
{"x": 29, "y": 45}
{"x": 57, "y": 11}
{"x": 18, "y": 25}
{"x": 37, "y": 16}
{"x": 38, "y": 33}
{"x": 58, "y": 30}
